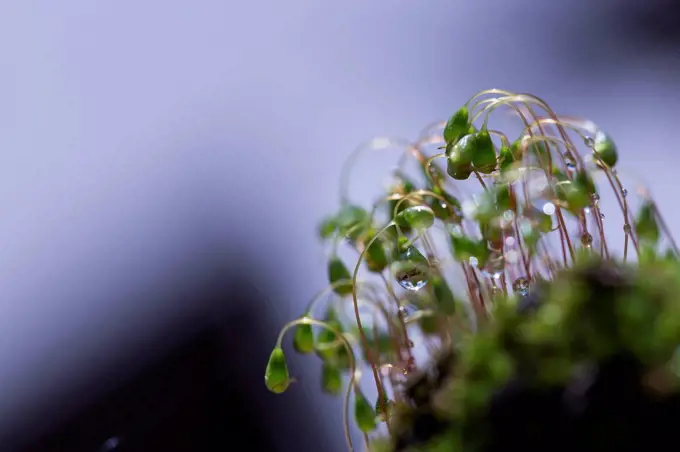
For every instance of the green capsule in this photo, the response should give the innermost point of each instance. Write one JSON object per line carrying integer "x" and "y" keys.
{"x": 462, "y": 151}
{"x": 537, "y": 148}
{"x": 418, "y": 217}
{"x": 458, "y": 171}
{"x": 443, "y": 295}
{"x": 460, "y": 154}
{"x": 484, "y": 157}
{"x": 646, "y": 225}
{"x": 331, "y": 379}
{"x": 605, "y": 149}
{"x": 506, "y": 159}
{"x": 457, "y": 125}
{"x": 364, "y": 414}
{"x": 376, "y": 257}
{"x": 303, "y": 338}
{"x": 338, "y": 272}
{"x": 276, "y": 376}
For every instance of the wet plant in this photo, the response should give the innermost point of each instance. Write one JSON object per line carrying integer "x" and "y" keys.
{"x": 510, "y": 268}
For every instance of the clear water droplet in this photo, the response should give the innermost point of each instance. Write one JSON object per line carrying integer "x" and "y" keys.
{"x": 601, "y": 215}
{"x": 521, "y": 285}
{"x": 588, "y": 141}
{"x": 624, "y": 192}
{"x": 587, "y": 240}
{"x": 571, "y": 165}
{"x": 412, "y": 271}
{"x": 626, "y": 228}
{"x": 411, "y": 344}
{"x": 473, "y": 261}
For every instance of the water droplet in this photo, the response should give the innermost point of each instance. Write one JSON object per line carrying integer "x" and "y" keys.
{"x": 510, "y": 242}
{"x": 624, "y": 192}
{"x": 587, "y": 240}
{"x": 521, "y": 285}
{"x": 410, "y": 344}
{"x": 473, "y": 261}
{"x": 412, "y": 270}
{"x": 571, "y": 165}
{"x": 589, "y": 141}
{"x": 548, "y": 208}
{"x": 601, "y": 215}
{"x": 626, "y": 228}
{"x": 596, "y": 198}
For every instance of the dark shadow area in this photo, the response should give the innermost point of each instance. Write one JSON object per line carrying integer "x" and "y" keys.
{"x": 206, "y": 393}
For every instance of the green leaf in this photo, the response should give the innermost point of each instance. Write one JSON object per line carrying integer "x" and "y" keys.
{"x": 364, "y": 413}
{"x": 331, "y": 379}
{"x": 457, "y": 125}
{"x": 338, "y": 272}
{"x": 327, "y": 227}
{"x": 303, "y": 338}
{"x": 352, "y": 221}
{"x": 484, "y": 157}
{"x": 605, "y": 149}
{"x": 330, "y": 348}
{"x": 443, "y": 295}
{"x": 276, "y": 376}
{"x": 418, "y": 217}
{"x": 506, "y": 159}
{"x": 446, "y": 211}
{"x": 646, "y": 225}
{"x": 376, "y": 256}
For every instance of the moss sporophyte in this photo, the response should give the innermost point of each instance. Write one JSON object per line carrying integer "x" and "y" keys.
{"x": 489, "y": 264}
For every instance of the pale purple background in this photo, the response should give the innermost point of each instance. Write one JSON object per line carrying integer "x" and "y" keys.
{"x": 137, "y": 137}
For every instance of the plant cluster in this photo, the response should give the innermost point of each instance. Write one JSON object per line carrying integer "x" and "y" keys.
{"x": 460, "y": 304}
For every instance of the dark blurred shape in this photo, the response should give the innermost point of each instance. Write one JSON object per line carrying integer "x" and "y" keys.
{"x": 200, "y": 389}
{"x": 185, "y": 402}
{"x": 655, "y": 21}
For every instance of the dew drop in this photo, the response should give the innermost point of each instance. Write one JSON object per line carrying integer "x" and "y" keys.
{"x": 571, "y": 165}
{"x": 596, "y": 198}
{"x": 624, "y": 192}
{"x": 626, "y": 228}
{"x": 589, "y": 141}
{"x": 410, "y": 344}
{"x": 521, "y": 285}
{"x": 601, "y": 215}
{"x": 587, "y": 240}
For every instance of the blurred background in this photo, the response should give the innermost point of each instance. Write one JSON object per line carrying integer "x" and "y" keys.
{"x": 164, "y": 164}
